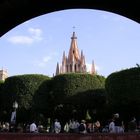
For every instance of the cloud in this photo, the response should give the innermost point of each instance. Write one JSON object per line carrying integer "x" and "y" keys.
{"x": 34, "y": 35}
{"x": 45, "y": 60}
{"x": 20, "y": 40}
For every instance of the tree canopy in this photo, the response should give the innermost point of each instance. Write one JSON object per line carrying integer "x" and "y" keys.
{"x": 59, "y": 92}
{"x": 66, "y": 85}
{"x": 21, "y": 88}
{"x": 123, "y": 90}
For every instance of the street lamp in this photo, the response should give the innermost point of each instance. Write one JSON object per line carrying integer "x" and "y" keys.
{"x": 15, "y": 105}
{"x": 13, "y": 115}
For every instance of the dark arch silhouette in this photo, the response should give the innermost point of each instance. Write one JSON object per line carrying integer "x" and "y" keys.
{"x": 14, "y": 12}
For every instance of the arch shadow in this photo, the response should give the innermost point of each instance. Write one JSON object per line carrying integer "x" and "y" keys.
{"x": 15, "y": 12}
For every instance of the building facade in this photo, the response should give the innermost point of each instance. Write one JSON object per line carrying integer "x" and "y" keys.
{"x": 75, "y": 61}
{"x": 3, "y": 74}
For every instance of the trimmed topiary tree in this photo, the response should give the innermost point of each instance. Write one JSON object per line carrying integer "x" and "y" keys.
{"x": 1, "y": 100}
{"x": 55, "y": 93}
{"x": 22, "y": 89}
{"x": 123, "y": 90}
{"x": 92, "y": 100}
{"x": 66, "y": 85}
{"x": 1, "y": 87}
{"x": 43, "y": 99}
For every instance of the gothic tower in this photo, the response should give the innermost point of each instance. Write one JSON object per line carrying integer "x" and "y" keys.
{"x": 75, "y": 62}
{"x": 93, "y": 70}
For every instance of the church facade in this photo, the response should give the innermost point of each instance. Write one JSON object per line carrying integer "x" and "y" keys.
{"x": 75, "y": 61}
{"x": 3, "y": 74}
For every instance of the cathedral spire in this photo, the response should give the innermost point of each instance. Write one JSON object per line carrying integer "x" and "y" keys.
{"x": 57, "y": 69}
{"x": 93, "y": 70}
{"x": 75, "y": 61}
{"x": 74, "y": 51}
{"x": 64, "y": 58}
{"x": 81, "y": 53}
{"x": 82, "y": 57}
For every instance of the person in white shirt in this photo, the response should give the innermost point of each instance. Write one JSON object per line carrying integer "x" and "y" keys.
{"x": 33, "y": 128}
{"x": 57, "y": 126}
{"x": 112, "y": 126}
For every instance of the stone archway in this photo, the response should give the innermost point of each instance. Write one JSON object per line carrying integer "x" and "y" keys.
{"x": 14, "y": 12}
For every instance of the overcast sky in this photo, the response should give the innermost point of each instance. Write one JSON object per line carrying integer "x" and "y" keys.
{"x": 35, "y": 47}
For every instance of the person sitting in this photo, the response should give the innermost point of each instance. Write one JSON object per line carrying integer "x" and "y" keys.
{"x": 97, "y": 126}
{"x": 82, "y": 127}
{"x": 119, "y": 127}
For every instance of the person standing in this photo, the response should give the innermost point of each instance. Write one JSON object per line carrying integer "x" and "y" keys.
{"x": 112, "y": 126}
{"x": 57, "y": 126}
{"x": 33, "y": 127}
{"x": 119, "y": 128}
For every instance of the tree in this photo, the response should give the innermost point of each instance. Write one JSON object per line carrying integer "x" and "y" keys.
{"x": 123, "y": 91}
{"x": 2, "y": 113}
{"x": 43, "y": 99}
{"x": 54, "y": 97}
{"x": 66, "y": 85}
{"x": 21, "y": 88}
{"x": 91, "y": 100}
{"x": 137, "y": 65}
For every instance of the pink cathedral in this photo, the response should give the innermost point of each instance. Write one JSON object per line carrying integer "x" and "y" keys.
{"x": 75, "y": 61}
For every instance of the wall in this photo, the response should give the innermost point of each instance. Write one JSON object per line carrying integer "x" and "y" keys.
{"x": 99, "y": 136}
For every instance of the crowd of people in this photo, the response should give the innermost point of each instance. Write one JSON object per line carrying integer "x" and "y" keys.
{"x": 115, "y": 125}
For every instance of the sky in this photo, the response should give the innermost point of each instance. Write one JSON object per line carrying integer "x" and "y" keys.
{"x": 35, "y": 46}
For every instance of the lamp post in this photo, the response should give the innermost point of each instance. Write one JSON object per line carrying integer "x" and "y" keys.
{"x": 13, "y": 115}
{"x": 15, "y": 105}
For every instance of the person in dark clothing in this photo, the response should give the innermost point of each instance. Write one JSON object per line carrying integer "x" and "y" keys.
{"x": 119, "y": 128}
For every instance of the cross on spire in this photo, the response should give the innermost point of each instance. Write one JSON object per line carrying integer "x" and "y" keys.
{"x": 73, "y": 28}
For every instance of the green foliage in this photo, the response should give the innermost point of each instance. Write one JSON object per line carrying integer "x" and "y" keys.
{"x": 1, "y": 82}
{"x": 123, "y": 89}
{"x": 66, "y": 85}
{"x": 90, "y": 100}
{"x": 137, "y": 65}
{"x": 1, "y": 87}
{"x": 55, "y": 97}
{"x": 21, "y": 88}
{"x": 43, "y": 98}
